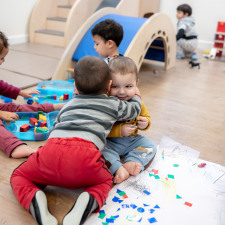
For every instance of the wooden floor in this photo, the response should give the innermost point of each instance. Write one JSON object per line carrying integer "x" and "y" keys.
{"x": 185, "y": 104}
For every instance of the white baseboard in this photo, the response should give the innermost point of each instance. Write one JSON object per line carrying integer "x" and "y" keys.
{"x": 18, "y": 39}
{"x": 205, "y": 45}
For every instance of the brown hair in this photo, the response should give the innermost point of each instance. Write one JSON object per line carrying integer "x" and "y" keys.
{"x": 91, "y": 75}
{"x": 123, "y": 65}
{"x": 3, "y": 42}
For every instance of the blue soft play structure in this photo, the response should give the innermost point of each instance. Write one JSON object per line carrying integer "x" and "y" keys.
{"x": 130, "y": 25}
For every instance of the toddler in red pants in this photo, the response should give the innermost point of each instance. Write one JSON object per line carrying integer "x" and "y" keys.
{"x": 72, "y": 156}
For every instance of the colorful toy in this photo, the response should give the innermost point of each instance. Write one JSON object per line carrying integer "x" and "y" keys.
{"x": 25, "y": 131}
{"x": 24, "y": 128}
{"x": 194, "y": 64}
{"x": 6, "y": 100}
{"x": 33, "y": 121}
{"x": 220, "y": 38}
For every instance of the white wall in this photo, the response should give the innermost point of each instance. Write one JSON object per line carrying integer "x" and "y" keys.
{"x": 206, "y": 12}
{"x": 15, "y": 15}
{"x": 14, "y": 19}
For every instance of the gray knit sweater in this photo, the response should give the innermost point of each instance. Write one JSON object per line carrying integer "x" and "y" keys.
{"x": 92, "y": 117}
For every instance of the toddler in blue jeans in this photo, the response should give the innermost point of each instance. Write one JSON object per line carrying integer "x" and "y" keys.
{"x": 123, "y": 140}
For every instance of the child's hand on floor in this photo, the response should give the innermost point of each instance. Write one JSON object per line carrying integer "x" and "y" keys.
{"x": 127, "y": 130}
{"x": 28, "y": 93}
{"x": 8, "y": 116}
{"x": 142, "y": 122}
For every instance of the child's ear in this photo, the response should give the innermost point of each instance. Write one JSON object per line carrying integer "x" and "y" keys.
{"x": 108, "y": 86}
{"x": 137, "y": 82}
{"x": 111, "y": 43}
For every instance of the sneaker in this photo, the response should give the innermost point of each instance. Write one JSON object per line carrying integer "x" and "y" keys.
{"x": 180, "y": 56}
{"x": 39, "y": 210}
{"x": 83, "y": 207}
{"x": 194, "y": 57}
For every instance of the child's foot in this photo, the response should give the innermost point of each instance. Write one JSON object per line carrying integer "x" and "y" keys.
{"x": 121, "y": 175}
{"x": 133, "y": 168}
{"x": 180, "y": 56}
{"x": 39, "y": 210}
{"x": 83, "y": 207}
{"x": 194, "y": 57}
{"x": 22, "y": 151}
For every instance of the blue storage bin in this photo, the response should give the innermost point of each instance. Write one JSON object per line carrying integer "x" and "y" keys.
{"x": 24, "y": 119}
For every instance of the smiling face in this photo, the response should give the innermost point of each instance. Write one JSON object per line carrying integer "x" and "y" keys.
{"x": 101, "y": 46}
{"x": 3, "y": 55}
{"x": 123, "y": 85}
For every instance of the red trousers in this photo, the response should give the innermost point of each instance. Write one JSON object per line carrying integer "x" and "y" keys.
{"x": 71, "y": 163}
{"x": 12, "y": 141}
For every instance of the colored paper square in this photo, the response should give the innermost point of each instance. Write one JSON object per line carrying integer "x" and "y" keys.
{"x": 178, "y": 197}
{"x": 152, "y": 220}
{"x": 121, "y": 193}
{"x": 152, "y": 210}
{"x": 171, "y": 176}
{"x": 101, "y": 215}
{"x": 109, "y": 220}
{"x": 146, "y": 192}
{"x": 188, "y": 204}
{"x": 125, "y": 196}
{"x": 175, "y": 165}
{"x": 157, "y": 177}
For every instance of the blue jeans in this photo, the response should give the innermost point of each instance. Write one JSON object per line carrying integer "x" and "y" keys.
{"x": 127, "y": 147}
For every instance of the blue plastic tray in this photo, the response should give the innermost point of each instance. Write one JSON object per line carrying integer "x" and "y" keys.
{"x": 58, "y": 87}
{"x": 53, "y": 87}
{"x": 24, "y": 119}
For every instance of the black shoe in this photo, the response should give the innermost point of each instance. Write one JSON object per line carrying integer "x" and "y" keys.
{"x": 83, "y": 207}
{"x": 39, "y": 210}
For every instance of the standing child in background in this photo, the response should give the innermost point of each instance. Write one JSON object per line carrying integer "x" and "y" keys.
{"x": 71, "y": 158}
{"x": 107, "y": 36}
{"x": 186, "y": 35}
{"x": 124, "y": 140}
{"x": 13, "y": 146}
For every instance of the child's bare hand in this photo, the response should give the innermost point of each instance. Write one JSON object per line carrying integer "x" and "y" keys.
{"x": 127, "y": 130}
{"x": 28, "y": 93}
{"x": 8, "y": 116}
{"x": 142, "y": 122}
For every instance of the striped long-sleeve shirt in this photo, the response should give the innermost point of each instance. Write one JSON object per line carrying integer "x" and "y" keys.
{"x": 92, "y": 117}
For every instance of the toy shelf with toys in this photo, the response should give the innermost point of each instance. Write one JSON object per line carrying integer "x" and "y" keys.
{"x": 32, "y": 126}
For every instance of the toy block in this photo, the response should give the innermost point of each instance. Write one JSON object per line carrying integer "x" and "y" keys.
{"x": 40, "y": 113}
{"x": 33, "y": 121}
{"x": 221, "y": 26}
{"x": 42, "y": 117}
{"x": 24, "y": 128}
{"x": 61, "y": 98}
{"x": 43, "y": 124}
{"x": 40, "y": 130}
{"x": 30, "y": 102}
{"x": 53, "y": 97}
{"x": 45, "y": 128}
{"x": 66, "y": 97}
{"x": 43, "y": 86}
